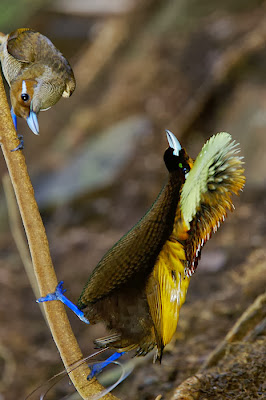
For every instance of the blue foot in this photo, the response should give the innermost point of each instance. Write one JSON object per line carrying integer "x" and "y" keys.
{"x": 97, "y": 368}
{"x": 59, "y": 295}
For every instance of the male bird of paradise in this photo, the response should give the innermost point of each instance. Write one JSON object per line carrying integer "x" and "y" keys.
{"x": 139, "y": 286}
{"x": 37, "y": 73}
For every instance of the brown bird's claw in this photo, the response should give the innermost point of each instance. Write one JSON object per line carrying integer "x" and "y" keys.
{"x": 21, "y": 144}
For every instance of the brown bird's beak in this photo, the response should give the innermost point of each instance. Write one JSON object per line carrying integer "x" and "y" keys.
{"x": 32, "y": 122}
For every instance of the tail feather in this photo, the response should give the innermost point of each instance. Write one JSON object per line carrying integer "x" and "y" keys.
{"x": 107, "y": 340}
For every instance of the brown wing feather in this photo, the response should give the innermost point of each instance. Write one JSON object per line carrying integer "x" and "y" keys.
{"x": 135, "y": 254}
{"x": 20, "y": 45}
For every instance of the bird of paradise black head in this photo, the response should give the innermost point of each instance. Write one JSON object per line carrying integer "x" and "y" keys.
{"x": 175, "y": 157}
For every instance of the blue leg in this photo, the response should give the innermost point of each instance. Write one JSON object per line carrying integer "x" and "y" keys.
{"x": 14, "y": 118}
{"x": 97, "y": 368}
{"x": 20, "y": 137}
{"x": 58, "y": 295}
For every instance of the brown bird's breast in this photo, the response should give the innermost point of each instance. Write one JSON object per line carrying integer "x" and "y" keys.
{"x": 127, "y": 316}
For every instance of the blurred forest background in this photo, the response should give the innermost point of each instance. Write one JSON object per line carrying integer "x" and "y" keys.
{"x": 142, "y": 66}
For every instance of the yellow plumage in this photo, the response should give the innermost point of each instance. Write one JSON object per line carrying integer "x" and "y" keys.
{"x": 166, "y": 289}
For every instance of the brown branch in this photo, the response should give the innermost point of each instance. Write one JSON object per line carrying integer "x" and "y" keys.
{"x": 40, "y": 254}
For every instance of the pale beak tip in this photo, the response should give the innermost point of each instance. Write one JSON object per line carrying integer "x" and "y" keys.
{"x": 32, "y": 122}
{"x": 173, "y": 142}
{"x": 168, "y": 134}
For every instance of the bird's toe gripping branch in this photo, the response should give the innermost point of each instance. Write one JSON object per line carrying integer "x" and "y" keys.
{"x": 97, "y": 368}
{"x": 21, "y": 144}
{"x": 59, "y": 295}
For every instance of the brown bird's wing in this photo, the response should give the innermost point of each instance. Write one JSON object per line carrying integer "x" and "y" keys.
{"x": 20, "y": 45}
{"x": 133, "y": 257}
{"x": 166, "y": 291}
{"x": 207, "y": 193}
{"x": 28, "y": 46}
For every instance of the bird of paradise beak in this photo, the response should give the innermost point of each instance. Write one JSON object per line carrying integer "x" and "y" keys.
{"x": 173, "y": 142}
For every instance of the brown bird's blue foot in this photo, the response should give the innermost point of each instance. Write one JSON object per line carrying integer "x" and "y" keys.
{"x": 97, "y": 368}
{"x": 21, "y": 144}
{"x": 59, "y": 295}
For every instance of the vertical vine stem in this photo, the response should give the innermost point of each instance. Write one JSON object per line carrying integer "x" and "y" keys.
{"x": 40, "y": 255}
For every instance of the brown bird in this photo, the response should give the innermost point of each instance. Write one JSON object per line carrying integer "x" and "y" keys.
{"x": 139, "y": 286}
{"x": 37, "y": 73}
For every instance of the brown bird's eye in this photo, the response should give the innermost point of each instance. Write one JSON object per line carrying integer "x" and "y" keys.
{"x": 25, "y": 96}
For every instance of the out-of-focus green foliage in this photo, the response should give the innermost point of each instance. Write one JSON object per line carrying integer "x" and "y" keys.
{"x": 14, "y": 13}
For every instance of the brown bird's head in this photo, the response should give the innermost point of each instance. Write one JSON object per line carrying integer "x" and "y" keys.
{"x": 22, "y": 94}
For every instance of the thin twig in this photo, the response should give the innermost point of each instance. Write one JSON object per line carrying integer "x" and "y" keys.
{"x": 8, "y": 367}
{"x": 40, "y": 254}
